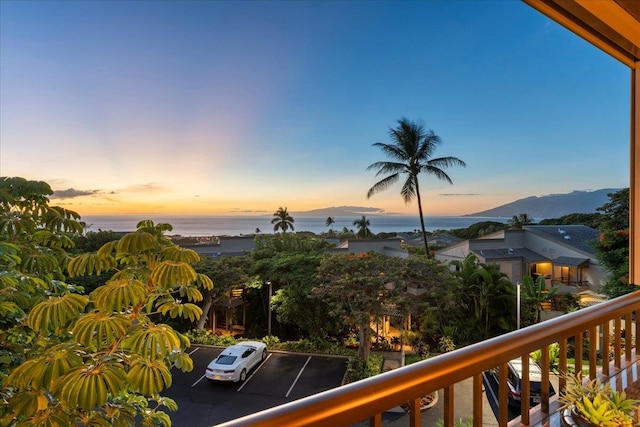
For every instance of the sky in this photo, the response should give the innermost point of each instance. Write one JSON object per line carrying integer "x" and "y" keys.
{"x": 240, "y": 107}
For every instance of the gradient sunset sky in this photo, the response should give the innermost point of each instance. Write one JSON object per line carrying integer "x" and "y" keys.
{"x": 221, "y": 107}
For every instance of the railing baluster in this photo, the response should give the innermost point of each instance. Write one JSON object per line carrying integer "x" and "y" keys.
{"x": 414, "y": 412}
{"x": 562, "y": 363}
{"x": 606, "y": 347}
{"x": 525, "y": 397}
{"x": 376, "y": 420}
{"x": 503, "y": 401}
{"x": 578, "y": 354}
{"x": 545, "y": 379}
{"x": 593, "y": 353}
{"x": 477, "y": 400}
{"x": 448, "y": 405}
{"x": 617, "y": 343}
{"x": 628, "y": 337}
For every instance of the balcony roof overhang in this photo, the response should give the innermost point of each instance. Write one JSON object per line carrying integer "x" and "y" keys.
{"x": 611, "y": 25}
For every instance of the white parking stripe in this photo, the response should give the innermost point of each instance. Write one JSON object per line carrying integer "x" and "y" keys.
{"x": 298, "y": 377}
{"x": 254, "y": 372}
{"x": 194, "y": 384}
{"x": 194, "y": 350}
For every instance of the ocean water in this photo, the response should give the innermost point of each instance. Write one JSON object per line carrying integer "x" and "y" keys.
{"x": 185, "y": 225}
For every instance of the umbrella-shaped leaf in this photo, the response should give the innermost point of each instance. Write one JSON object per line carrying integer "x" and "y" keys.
{"x": 182, "y": 361}
{"x": 100, "y": 329}
{"x": 178, "y": 254}
{"x": 49, "y": 418}
{"x": 55, "y": 312}
{"x": 191, "y": 292}
{"x": 137, "y": 242}
{"x": 153, "y": 341}
{"x": 28, "y": 403}
{"x": 87, "y": 264}
{"x": 169, "y": 274}
{"x": 149, "y": 377}
{"x": 87, "y": 386}
{"x": 119, "y": 295}
{"x": 204, "y": 281}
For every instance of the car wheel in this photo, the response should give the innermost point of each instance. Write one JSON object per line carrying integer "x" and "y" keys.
{"x": 264, "y": 354}
{"x": 243, "y": 375}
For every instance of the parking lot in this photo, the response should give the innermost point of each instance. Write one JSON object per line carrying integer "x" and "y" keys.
{"x": 281, "y": 378}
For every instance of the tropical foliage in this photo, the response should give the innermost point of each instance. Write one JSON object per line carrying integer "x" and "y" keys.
{"x": 612, "y": 247}
{"x": 487, "y": 294}
{"x": 282, "y": 220}
{"x": 411, "y": 152}
{"x": 100, "y": 359}
{"x": 520, "y": 220}
{"x": 364, "y": 232}
{"x": 535, "y": 293}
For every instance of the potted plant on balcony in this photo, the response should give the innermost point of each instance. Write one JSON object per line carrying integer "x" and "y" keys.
{"x": 596, "y": 404}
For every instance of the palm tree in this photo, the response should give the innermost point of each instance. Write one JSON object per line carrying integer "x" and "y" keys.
{"x": 411, "y": 153}
{"x": 329, "y": 222}
{"x": 519, "y": 221}
{"x": 282, "y": 220}
{"x": 363, "y": 228}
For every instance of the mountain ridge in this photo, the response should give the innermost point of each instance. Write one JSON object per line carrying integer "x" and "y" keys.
{"x": 539, "y": 207}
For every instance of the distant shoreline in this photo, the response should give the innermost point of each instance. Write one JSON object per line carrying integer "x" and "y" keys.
{"x": 241, "y": 225}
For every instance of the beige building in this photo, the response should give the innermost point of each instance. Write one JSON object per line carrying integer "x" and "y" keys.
{"x": 565, "y": 255}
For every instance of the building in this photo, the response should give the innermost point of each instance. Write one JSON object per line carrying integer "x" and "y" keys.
{"x": 564, "y": 255}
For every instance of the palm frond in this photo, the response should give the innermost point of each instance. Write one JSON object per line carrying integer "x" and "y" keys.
{"x": 383, "y": 184}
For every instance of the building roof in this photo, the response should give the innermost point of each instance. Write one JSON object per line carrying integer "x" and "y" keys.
{"x": 515, "y": 253}
{"x": 580, "y": 237}
{"x": 568, "y": 261}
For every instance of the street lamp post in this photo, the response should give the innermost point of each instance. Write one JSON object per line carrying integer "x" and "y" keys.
{"x": 269, "y": 308}
{"x": 518, "y": 303}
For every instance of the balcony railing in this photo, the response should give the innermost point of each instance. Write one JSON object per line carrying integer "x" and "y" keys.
{"x": 611, "y": 321}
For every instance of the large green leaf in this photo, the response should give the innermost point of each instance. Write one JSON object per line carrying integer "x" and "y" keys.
{"x": 133, "y": 243}
{"x": 100, "y": 329}
{"x": 169, "y": 274}
{"x": 119, "y": 295}
{"x": 87, "y": 386}
{"x": 149, "y": 377}
{"x": 153, "y": 341}
{"x": 56, "y": 312}
{"x": 89, "y": 264}
{"x": 178, "y": 254}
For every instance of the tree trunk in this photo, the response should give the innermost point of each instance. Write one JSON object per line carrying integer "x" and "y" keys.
{"x": 365, "y": 340}
{"x": 206, "y": 306}
{"x": 424, "y": 232}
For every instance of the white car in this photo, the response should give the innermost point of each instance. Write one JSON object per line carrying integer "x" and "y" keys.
{"x": 236, "y": 361}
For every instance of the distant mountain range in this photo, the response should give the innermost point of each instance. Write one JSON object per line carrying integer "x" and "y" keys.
{"x": 341, "y": 211}
{"x": 552, "y": 205}
{"x": 538, "y": 207}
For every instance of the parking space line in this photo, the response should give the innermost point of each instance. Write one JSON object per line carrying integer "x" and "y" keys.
{"x": 254, "y": 372}
{"x": 298, "y": 377}
{"x": 194, "y": 350}
{"x": 201, "y": 378}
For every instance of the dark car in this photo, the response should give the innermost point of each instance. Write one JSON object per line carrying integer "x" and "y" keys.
{"x": 514, "y": 382}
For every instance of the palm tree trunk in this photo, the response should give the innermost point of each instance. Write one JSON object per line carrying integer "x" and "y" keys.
{"x": 424, "y": 232}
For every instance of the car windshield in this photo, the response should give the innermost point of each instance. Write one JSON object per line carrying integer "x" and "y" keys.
{"x": 225, "y": 360}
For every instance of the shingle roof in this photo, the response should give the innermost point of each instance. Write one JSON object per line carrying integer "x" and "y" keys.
{"x": 505, "y": 253}
{"x": 570, "y": 261}
{"x": 579, "y": 237}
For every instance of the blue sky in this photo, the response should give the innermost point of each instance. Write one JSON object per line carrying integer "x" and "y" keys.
{"x": 220, "y": 107}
